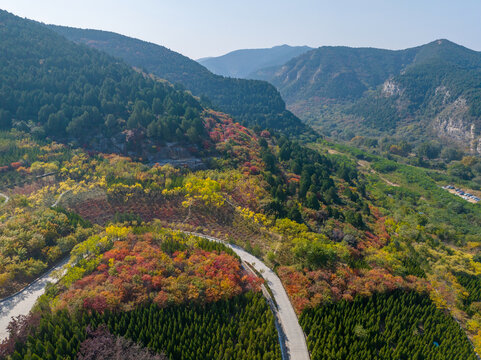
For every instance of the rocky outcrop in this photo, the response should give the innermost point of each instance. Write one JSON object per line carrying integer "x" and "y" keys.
{"x": 454, "y": 122}
{"x": 391, "y": 88}
{"x": 443, "y": 93}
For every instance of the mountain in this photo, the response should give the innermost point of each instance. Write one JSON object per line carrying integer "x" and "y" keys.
{"x": 251, "y": 101}
{"x": 350, "y": 236}
{"x": 52, "y": 87}
{"x": 364, "y": 91}
{"x": 246, "y": 62}
{"x": 335, "y": 72}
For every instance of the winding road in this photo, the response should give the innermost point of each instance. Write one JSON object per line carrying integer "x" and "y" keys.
{"x": 21, "y": 302}
{"x": 295, "y": 341}
{"x": 292, "y": 339}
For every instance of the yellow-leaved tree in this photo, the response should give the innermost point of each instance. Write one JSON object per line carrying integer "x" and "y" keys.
{"x": 194, "y": 189}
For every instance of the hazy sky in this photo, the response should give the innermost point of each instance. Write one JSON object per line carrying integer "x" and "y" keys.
{"x": 199, "y": 28}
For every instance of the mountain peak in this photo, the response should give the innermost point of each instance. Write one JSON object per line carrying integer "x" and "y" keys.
{"x": 447, "y": 52}
{"x": 443, "y": 42}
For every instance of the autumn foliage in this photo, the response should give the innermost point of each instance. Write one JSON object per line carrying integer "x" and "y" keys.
{"x": 144, "y": 268}
{"x": 308, "y": 289}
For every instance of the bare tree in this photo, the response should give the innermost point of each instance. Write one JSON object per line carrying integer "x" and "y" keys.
{"x": 101, "y": 344}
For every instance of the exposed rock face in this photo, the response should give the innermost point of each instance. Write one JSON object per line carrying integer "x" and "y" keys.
{"x": 456, "y": 123}
{"x": 476, "y": 146}
{"x": 420, "y": 93}
{"x": 443, "y": 92}
{"x": 391, "y": 88}
{"x": 452, "y": 121}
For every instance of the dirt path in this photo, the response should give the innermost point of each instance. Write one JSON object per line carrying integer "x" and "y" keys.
{"x": 5, "y": 197}
{"x": 59, "y": 198}
{"x": 364, "y": 164}
{"x": 332, "y": 151}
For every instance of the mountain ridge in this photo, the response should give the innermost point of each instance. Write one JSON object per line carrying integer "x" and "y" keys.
{"x": 346, "y": 91}
{"x": 244, "y": 63}
{"x": 54, "y": 88}
{"x": 251, "y": 101}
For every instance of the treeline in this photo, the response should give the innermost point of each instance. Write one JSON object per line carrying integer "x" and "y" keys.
{"x": 239, "y": 328}
{"x": 398, "y": 325}
{"x": 52, "y": 87}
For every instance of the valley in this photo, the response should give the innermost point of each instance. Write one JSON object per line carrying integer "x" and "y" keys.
{"x": 345, "y": 92}
{"x": 154, "y": 209}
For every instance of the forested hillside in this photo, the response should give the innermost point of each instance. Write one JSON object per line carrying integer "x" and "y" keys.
{"x": 241, "y": 328}
{"x": 253, "y": 102}
{"x": 373, "y": 92}
{"x": 54, "y": 88}
{"x": 385, "y": 326}
{"x": 246, "y": 62}
{"x": 336, "y": 72}
{"x": 331, "y": 228}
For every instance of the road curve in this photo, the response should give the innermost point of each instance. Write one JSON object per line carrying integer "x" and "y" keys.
{"x": 292, "y": 334}
{"x": 295, "y": 340}
{"x": 22, "y": 302}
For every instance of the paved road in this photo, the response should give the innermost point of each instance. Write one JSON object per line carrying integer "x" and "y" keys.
{"x": 294, "y": 336}
{"x": 21, "y": 302}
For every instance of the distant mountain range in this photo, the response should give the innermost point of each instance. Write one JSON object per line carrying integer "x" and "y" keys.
{"x": 433, "y": 90}
{"x": 252, "y": 101}
{"x": 246, "y": 62}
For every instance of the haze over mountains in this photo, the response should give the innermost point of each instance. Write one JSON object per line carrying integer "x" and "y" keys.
{"x": 341, "y": 91}
{"x": 246, "y": 62}
{"x": 347, "y": 91}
